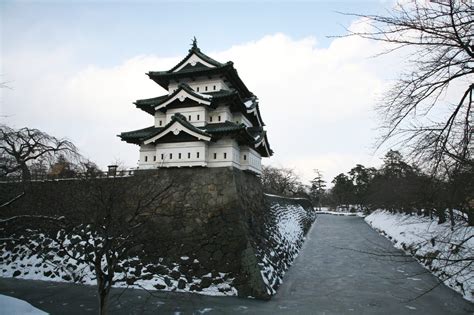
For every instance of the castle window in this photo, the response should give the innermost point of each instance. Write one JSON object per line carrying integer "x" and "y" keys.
{"x": 189, "y": 118}
{"x": 197, "y": 155}
{"x": 179, "y": 155}
{"x": 161, "y": 122}
{"x": 197, "y": 89}
{"x": 146, "y": 158}
{"x": 205, "y": 88}
{"x": 197, "y": 117}
{"x": 245, "y": 157}
{"x": 225, "y": 155}
{"x": 219, "y": 118}
{"x": 162, "y": 156}
{"x": 154, "y": 158}
{"x": 189, "y": 155}
{"x": 215, "y": 156}
{"x": 171, "y": 156}
{"x": 214, "y": 87}
{"x": 210, "y": 118}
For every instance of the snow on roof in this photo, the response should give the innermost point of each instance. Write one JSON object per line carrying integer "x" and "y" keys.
{"x": 248, "y": 103}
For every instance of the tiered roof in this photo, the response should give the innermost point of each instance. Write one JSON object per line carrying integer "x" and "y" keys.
{"x": 238, "y": 98}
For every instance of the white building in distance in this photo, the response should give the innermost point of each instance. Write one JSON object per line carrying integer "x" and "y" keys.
{"x": 208, "y": 118}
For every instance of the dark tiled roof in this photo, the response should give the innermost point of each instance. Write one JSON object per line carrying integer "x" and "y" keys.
{"x": 151, "y": 101}
{"x": 224, "y": 127}
{"x": 148, "y": 105}
{"x": 140, "y": 135}
{"x": 137, "y": 136}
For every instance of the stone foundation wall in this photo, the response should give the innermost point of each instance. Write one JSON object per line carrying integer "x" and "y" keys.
{"x": 217, "y": 217}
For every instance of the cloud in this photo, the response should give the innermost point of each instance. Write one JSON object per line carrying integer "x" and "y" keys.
{"x": 317, "y": 102}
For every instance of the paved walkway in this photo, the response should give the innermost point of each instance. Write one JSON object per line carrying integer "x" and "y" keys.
{"x": 330, "y": 276}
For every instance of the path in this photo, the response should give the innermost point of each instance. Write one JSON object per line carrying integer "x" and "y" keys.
{"x": 330, "y": 276}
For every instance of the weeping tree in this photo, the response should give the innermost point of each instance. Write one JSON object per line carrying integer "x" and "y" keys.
{"x": 20, "y": 148}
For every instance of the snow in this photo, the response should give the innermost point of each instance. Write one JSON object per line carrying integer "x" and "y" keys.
{"x": 248, "y": 103}
{"x": 21, "y": 262}
{"x": 11, "y": 305}
{"x": 203, "y": 95}
{"x": 446, "y": 252}
{"x": 289, "y": 223}
{"x": 353, "y": 214}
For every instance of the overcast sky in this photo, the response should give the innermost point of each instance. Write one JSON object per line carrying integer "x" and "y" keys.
{"x": 75, "y": 70}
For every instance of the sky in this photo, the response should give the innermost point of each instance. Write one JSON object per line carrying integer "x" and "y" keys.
{"x": 75, "y": 68}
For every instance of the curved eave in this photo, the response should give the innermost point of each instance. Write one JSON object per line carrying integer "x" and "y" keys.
{"x": 263, "y": 146}
{"x": 137, "y": 136}
{"x": 255, "y": 112}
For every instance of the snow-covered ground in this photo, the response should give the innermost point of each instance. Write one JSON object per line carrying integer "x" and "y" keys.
{"x": 342, "y": 213}
{"x": 13, "y": 306}
{"x": 21, "y": 262}
{"x": 447, "y": 253}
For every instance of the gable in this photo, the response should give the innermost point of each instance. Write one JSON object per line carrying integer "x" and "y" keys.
{"x": 181, "y": 95}
{"x": 193, "y": 61}
{"x": 179, "y": 129}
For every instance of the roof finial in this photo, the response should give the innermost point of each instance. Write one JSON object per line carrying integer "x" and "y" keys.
{"x": 195, "y": 43}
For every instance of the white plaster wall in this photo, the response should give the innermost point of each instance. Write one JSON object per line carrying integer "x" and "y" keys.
{"x": 219, "y": 115}
{"x": 180, "y": 154}
{"x": 224, "y": 152}
{"x": 147, "y": 155}
{"x": 190, "y": 112}
{"x": 250, "y": 159}
{"x": 200, "y": 85}
{"x": 160, "y": 119}
{"x": 244, "y": 158}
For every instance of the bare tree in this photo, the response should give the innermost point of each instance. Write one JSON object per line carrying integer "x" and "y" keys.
{"x": 281, "y": 181}
{"x": 414, "y": 111}
{"x": 19, "y": 148}
{"x": 102, "y": 231}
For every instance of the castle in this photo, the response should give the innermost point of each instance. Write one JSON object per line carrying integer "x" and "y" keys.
{"x": 209, "y": 118}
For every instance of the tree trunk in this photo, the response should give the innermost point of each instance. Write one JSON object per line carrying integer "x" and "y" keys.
{"x": 451, "y": 217}
{"x": 441, "y": 215}
{"x": 470, "y": 216}
{"x": 103, "y": 301}
{"x": 25, "y": 173}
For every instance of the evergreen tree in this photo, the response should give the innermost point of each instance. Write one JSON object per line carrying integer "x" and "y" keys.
{"x": 318, "y": 186}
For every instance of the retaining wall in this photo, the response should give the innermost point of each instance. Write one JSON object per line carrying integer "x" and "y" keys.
{"x": 216, "y": 216}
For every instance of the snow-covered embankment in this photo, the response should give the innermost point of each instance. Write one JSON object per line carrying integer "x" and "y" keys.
{"x": 289, "y": 221}
{"x": 447, "y": 253}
